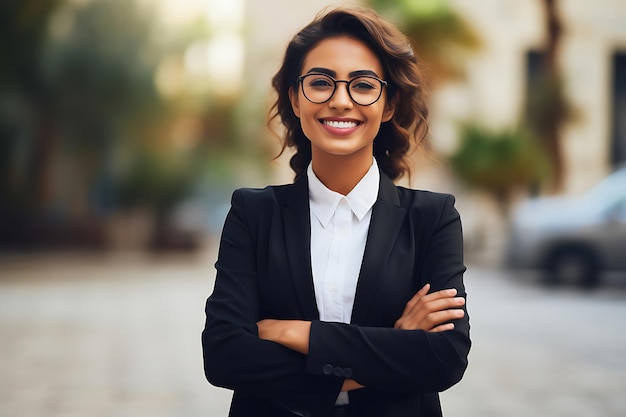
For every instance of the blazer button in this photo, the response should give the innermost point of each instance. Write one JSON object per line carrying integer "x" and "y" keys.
{"x": 327, "y": 369}
{"x": 347, "y": 372}
{"x": 338, "y": 371}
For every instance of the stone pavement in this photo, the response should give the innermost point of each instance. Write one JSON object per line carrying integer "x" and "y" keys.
{"x": 119, "y": 335}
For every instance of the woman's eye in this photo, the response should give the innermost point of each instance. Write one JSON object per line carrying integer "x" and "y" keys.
{"x": 363, "y": 85}
{"x": 320, "y": 83}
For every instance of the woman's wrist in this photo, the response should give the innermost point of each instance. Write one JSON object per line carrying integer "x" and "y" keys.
{"x": 293, "y": 334}
{"x": 296, "y": 335}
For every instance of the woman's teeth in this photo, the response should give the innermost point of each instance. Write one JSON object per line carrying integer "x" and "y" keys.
{"x": 340, "y": 124}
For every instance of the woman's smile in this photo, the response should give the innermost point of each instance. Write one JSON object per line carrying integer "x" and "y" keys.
{"x": 339, "y": 126}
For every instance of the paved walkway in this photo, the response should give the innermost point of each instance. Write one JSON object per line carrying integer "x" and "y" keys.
{"x": 119, "y": 335}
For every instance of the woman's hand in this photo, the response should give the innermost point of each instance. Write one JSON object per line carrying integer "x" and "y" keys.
{"x": 293, "y": 334}
{"x": 350, "y": 385}
{"x": 431, "y": 312}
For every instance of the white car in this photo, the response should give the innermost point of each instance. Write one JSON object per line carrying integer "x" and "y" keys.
{"x": 572, "y": 240}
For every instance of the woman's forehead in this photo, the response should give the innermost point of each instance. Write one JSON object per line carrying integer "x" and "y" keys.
{"x": 343, "y": 55}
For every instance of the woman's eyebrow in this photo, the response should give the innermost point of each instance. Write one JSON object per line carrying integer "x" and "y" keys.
{"x": 323, "y": 71}
{"x": 361, "y": 73}
{"x": 333, "y": 74}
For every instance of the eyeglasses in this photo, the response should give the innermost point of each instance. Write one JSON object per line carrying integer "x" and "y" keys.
{"x": 319, "y": 88}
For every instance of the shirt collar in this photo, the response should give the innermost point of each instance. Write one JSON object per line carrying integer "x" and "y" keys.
{"x": 324, "y": 201}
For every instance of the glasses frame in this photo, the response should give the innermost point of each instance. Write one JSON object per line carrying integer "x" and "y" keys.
{"x": 383, "y": 84}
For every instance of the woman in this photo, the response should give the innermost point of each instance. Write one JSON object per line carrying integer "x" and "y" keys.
{"x": 341, "y": 294}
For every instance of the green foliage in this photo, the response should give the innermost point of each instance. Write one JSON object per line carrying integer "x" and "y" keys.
{"x": 23, "y": 32}
{"x": 84, "y": 131}
{"x": 79, "y": 91}
{"x": 547, "y": 105}
{"x": 499, "y": 162}
{"x": 101, "y": 72}
{"x": 441, "y": 37}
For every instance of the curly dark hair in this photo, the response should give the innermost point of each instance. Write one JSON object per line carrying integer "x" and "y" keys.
{"x": 406, "y": 86}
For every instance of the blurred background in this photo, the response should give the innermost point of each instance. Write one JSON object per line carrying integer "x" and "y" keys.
{"x": 126, "y": 124}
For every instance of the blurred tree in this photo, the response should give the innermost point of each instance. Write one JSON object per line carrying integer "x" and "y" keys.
{"x": 79, "y": 78}
{"x": 100, "y": 113}
{"x": 547, "y": 108}
{"x": 26, "y": 136}
{"x": 441, "y": 37}
{"x": 100, "y": 65}
{"x": 501, "y": 163}
{"x": 78, "y": 99}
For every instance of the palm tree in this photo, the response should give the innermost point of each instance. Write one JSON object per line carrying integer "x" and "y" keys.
{"x": 547, "y": 108}
{"x": 500, "y": 162}
{"x": 441, "y": 37}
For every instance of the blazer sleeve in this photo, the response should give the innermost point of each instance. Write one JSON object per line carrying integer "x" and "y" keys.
{"x": 234, "y": 356}
{"x": 397, "y": 360}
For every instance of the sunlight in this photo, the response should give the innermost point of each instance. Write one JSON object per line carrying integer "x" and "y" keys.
{"x": 213, "y": 63}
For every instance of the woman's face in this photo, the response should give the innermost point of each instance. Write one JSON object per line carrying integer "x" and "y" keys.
{"x": 339, "y": 126}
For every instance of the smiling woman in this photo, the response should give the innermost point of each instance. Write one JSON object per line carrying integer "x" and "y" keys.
{"x": 341, "y": 294}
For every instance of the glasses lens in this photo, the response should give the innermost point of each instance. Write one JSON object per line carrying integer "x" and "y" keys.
{"x": 318, "y": 88}
{"x": 365, "y": 90}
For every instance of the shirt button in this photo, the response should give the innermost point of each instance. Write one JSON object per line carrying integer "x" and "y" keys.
{"x": 332, "y": 288}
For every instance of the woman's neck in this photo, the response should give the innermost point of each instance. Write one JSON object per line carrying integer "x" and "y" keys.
{"x": 340, "y": 173}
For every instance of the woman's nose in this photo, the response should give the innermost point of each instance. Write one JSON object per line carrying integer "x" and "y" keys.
{"x": 341, "y": 98}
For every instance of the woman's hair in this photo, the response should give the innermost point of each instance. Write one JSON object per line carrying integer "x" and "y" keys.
{"x": 405, "y": 88}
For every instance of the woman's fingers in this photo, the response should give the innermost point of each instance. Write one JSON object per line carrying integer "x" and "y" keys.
{"x": 429, "y": 311}
{"x": 429, "y": 321}
{"x": 434, "y": 302}
{"x": 442, "y": 328}
{"x": 426, "y": 298}
{"x": 439, "y": 318}
{"x": 416, "y": 298}
{"x": 422, "y": 297}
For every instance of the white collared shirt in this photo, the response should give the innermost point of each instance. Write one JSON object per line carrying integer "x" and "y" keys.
{"x": 339, "y": 226}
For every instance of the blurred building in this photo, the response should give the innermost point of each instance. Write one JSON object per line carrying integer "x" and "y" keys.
{"x": 592, "y": 61}
{"x": 591, "y": 58}
{"x": 204, "y": 75}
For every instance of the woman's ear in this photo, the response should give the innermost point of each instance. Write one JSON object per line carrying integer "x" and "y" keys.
{"x": 295, "y": 103}
{"x": 390, "y": 108}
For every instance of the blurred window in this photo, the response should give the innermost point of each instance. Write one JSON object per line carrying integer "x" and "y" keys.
{"x": 534, "y": 70}
{"x": 619, "y": 211}
{"x": 619, "y": 108}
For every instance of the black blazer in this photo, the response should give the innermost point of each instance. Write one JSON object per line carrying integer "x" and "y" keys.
{"x": 264, "y": 271}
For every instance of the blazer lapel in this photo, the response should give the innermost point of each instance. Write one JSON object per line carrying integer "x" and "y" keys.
{"x": 387, "y": 217}
{"x": 297, "y": 227}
